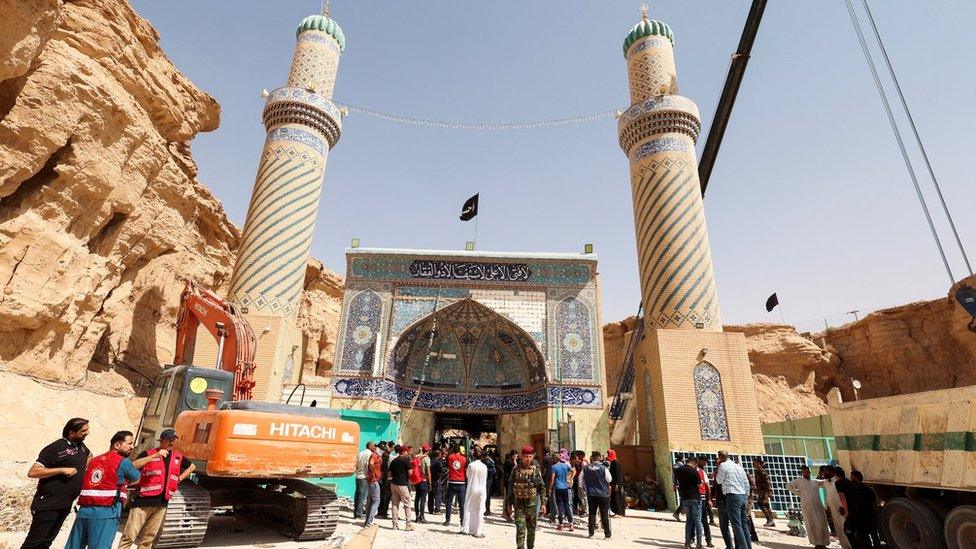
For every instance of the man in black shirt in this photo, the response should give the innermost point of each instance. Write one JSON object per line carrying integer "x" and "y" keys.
{"x": 857, "y": 502}
{"x": 60, "y": 467}
{"x": 438, "y": 469}
{"x": 400, "y": 484}
{"x": 689, "y": 481}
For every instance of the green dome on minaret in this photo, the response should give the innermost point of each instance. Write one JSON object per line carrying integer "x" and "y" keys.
{"x": 648, "y": 27}
{"x": 325, "y": 24}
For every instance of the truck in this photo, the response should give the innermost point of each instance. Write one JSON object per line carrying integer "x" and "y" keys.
{"x": 918, "y": 453}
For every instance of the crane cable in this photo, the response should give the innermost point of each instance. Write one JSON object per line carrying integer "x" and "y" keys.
{"x": 894, "y": 128}
{"x": 918, "y": 139}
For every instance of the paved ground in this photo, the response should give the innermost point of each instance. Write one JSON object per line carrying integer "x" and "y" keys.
{"x": 638, "y": 529}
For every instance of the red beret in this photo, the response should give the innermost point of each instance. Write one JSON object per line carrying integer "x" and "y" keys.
{"x": 528, "y": 450}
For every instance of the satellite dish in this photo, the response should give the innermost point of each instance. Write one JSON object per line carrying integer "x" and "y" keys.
{"x": 856, "y": 384}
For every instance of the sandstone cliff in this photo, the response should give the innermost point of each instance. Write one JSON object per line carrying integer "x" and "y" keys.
{"x": 100, "y": 206}
{"x": 916, "y": 347}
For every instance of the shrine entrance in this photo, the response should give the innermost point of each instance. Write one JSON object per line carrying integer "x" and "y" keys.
{"x": 486, "y": 347}
{"x": 467, "y": 429}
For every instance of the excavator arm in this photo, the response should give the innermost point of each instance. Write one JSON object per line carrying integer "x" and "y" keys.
{"x": 235, "y": 339}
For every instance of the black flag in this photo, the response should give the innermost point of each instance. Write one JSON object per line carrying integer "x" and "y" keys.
{"x": 772, "y": 302}
{"x": 470, "y": 208}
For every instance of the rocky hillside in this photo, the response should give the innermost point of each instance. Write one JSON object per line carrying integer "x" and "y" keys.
{"x": 100, "y": 206}
{"x": 915, "y": 347}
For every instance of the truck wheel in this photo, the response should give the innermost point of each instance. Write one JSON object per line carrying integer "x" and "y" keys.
{"x": 912, "y": 525}
{"x": 960, "y": 528}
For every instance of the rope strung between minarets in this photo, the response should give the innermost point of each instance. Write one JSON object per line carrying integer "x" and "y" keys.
{"x": 479, "y": 126}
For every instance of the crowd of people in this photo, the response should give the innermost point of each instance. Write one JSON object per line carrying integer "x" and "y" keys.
{"x": 560, "y": 485}
{"x": 729, "y": 491}
{"x": 395, "y": 480}
{"x": 66, "y": 470}
{"x": 851, "y": 512}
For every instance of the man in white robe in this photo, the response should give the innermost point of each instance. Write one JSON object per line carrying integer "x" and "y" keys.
{"x": 814, "y": 516}
{"x": 474, "y": 499}
{"x": 833, "y": 502}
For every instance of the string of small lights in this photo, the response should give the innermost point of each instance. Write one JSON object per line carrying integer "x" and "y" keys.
{"x": 479, "y": 126}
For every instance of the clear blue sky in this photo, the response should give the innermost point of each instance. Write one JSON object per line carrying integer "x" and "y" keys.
{"x": 809, "y": 197}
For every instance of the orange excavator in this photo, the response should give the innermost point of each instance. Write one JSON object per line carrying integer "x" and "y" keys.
{"x": 251, "y": 457}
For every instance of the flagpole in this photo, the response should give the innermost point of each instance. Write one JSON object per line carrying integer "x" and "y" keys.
{"x": 476, "y": 232}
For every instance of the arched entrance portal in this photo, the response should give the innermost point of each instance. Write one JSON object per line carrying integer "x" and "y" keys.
{"x": 470, "y": 358}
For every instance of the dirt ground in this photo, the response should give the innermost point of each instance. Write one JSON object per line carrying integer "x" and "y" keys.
{"x": 638, "y": 529}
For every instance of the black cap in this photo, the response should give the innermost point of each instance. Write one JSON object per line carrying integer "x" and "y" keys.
{"x": 168, "y": 434}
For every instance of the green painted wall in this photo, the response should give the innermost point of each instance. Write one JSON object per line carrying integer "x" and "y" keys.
{"x": 812, "y": 437}
{"x": 373, "y": 426}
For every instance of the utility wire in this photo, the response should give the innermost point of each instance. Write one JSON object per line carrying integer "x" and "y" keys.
{"x": 480, "y": 126}
{"x": 918, "y": 139}
{"x": 894, "y": 128}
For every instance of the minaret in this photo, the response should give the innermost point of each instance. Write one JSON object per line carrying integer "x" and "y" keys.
{"x": 303, "y": 124}
{"x": 658, "y": 134}
{"x": 684, "y": 347}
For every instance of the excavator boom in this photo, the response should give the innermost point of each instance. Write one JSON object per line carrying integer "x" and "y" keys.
{"x": 236, "y": 342}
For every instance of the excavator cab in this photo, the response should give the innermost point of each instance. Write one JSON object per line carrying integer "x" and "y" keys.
{"x": 177, "y": 389}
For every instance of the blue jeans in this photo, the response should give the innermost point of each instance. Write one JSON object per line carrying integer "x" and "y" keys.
{"x": 454, "y": 490}
{"x": 360, "y": 498}
{"x": 736, "y": 510}
{"x": 564, "y": 505}
{"x": 373, "y": 501}
{"x": 693, "y": 525}
{"x": 723, "y": 524}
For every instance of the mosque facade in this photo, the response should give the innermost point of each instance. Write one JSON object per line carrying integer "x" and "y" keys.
{"x": 442, "y": 337}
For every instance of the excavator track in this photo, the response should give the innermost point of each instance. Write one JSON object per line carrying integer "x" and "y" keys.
{"x": 295, "y": 508}
{"x": 186, "y": 519}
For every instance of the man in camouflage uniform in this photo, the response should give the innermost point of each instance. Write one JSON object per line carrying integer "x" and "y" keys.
{"x": 527, "y": 489}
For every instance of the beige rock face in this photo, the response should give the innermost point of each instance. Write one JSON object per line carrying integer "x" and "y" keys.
{"x": 101, "y": 211}
{"x": 791, "y": 372}
{"x": 915, "y": 347}
{"x": 907, "y": 349}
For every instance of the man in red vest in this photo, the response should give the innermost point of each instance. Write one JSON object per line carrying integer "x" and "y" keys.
{"x": 160, "y": 479}
{"x": 102, "y": 493}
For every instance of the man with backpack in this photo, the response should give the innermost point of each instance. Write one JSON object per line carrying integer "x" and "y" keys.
{"x": 420, "y": 479}
{"x": 103, "y": 489}
{"x": 596, "y": 482}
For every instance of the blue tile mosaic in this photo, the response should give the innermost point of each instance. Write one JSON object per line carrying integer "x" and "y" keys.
{"x": 575, "y": 343}
{"x": 711, "y": 402}
{"x": 360, "y": 338}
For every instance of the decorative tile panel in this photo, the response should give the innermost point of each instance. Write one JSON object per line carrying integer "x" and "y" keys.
{"x": 361, "y": 331}
{"x": 711, "y": 402}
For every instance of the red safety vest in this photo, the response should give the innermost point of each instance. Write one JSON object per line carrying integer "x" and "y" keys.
{"x": 154, "y": 477}
{"x": 101, "y": 487}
